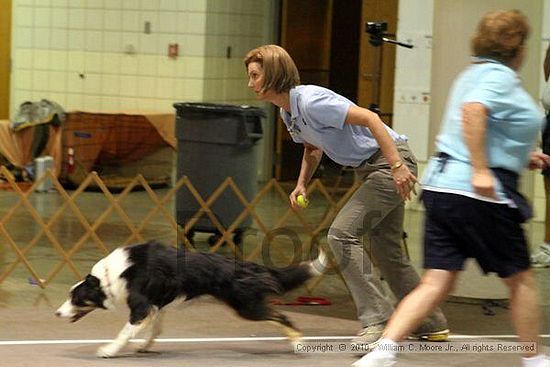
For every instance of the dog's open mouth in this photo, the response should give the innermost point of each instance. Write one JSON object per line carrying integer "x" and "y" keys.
{"x": 80, "y": 315}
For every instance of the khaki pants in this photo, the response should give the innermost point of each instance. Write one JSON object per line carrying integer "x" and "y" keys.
{"x": 376, "y": 211}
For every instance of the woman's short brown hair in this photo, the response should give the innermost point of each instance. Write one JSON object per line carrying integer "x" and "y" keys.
{"x": 500, "y": 35}
{"x": 280, "y": 72}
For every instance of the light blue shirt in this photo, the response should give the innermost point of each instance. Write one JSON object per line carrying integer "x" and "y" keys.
{"x": 514, "y": 121}
{"x": 317, "y": 117}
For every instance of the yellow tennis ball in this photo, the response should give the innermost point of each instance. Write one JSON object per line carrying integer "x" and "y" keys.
{"x": 302, "y": 201}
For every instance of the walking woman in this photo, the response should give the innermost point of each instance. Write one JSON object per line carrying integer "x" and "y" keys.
{"x": 470, "y": 188}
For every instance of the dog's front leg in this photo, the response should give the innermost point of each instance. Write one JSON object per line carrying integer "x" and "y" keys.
{"x": 128, "y": 331}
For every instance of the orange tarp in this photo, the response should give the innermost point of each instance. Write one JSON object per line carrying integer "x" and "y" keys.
{"x": 17, "y": 146}
{"x": 116, "y": 137}
{"x": 96, "y": 137}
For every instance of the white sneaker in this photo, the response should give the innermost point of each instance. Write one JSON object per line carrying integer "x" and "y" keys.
{"x": 541, "y": 258}
{"x": 376, "y": 358}
{"x": 537, "y": 361}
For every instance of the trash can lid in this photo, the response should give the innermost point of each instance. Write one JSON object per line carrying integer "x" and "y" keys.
{"x": 199, "y": 107}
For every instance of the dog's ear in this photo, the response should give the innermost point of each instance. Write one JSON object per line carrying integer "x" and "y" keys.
{"x": 93, "y": 281}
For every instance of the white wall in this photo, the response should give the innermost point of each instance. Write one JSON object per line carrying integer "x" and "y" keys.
{"x": 412, "y": 94}
{"x": 95, "y": 55}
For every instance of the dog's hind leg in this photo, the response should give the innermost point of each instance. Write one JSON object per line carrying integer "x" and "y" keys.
{"x": 293, "y": 334}
{"x": 155, "y": 330}
{"x": 256, "y": 309}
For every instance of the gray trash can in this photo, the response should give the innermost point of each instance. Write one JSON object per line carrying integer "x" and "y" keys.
{"x": 216, "y": 141}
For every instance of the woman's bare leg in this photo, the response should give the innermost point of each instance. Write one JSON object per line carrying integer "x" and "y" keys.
{"x": 524, "y": 306}
{"x": 434, "y": 287}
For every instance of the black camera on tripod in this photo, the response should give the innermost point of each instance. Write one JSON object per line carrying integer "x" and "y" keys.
{"x": 377, "y": 31}
{"x": 376, "y": 28}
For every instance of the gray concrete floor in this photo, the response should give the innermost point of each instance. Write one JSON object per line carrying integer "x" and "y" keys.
{"x": 27, "y": 323}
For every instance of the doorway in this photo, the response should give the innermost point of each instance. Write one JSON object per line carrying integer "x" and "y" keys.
{"x": 328, "y": 42}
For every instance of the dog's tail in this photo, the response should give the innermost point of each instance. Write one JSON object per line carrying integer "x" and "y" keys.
{"x": 294, "y": 276}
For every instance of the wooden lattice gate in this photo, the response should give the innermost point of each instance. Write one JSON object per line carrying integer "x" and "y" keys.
{"x": 44, "y": 225}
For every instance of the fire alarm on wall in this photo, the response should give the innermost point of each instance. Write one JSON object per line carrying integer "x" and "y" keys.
{"x": 173, "y": 50}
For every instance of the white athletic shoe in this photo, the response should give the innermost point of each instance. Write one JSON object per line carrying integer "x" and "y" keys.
{"x": 376, "y": 359}
{"x": 541, "y": 361}
{"x": 546, "y": 362}
{"x": 541, "y": 258}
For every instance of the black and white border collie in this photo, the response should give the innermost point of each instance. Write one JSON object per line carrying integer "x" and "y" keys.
{"x": 151, "y": 275}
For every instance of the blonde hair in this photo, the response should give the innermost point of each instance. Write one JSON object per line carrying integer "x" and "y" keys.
{"x": 280, "y": 71}
{"x": 500, "y": 35}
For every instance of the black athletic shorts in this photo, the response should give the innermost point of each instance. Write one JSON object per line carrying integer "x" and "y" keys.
{"x": 457, "y": 227}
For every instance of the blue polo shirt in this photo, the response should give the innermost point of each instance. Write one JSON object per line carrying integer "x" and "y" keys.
{"x": 317, "y": 117}
{"x": 514, "y": 121}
